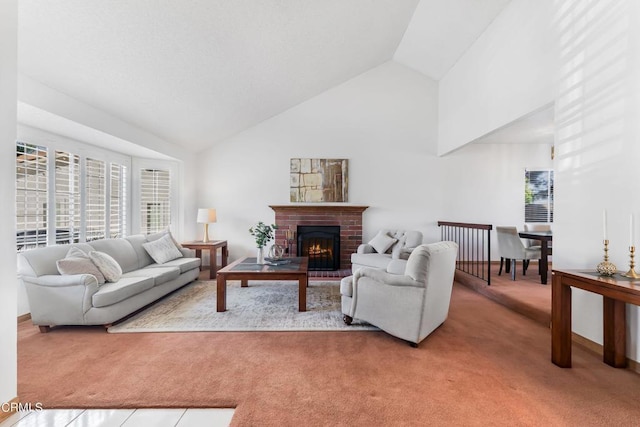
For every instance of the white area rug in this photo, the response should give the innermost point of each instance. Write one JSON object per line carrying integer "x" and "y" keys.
{"x": 263, "y": 306}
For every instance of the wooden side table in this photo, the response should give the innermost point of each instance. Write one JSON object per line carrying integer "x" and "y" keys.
{"x": 212, "y": 247}
{"x": 615, "y": 291}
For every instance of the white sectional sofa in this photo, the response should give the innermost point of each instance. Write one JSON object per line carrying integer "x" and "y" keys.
{"x": 78, "y": 299}
{"x": 394, "y": 258}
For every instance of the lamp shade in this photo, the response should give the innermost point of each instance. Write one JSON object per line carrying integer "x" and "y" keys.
{"x": 206, "y": 216}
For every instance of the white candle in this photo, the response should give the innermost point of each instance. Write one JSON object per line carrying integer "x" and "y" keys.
{"x": 630, "y": 230}
{"x": 604, "y": 223}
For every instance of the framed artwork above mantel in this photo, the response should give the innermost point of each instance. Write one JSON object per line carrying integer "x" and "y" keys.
{"x": 318, "y": 180}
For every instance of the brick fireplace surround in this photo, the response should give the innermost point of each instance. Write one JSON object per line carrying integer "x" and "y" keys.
{"x": 348, "y": 217}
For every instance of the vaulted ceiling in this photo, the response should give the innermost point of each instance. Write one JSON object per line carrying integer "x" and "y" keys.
{"x": 199, "y": 71}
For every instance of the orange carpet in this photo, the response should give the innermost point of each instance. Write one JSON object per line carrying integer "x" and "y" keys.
{"x": 485, "y": 366}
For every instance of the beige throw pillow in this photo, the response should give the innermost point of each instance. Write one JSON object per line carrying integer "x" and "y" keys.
{"x": 382, "y": 242}
{"x": 78, "y": 262}
{"x": 108, "y": 266}
{"x": 163, "y": 249}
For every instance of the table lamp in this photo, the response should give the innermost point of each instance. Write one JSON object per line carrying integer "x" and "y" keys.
{"x": 206, "y": 217}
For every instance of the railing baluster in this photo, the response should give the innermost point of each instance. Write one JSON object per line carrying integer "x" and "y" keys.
{"x": 474, "y": 247}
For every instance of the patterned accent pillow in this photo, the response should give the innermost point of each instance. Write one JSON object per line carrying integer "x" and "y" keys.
{"x": 163, "y": 249}
{"x": 78, "y": 262}
{"x": 108, "y": 266}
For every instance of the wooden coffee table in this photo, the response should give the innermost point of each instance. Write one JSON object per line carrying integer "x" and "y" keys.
{"x": 246, "y": 269}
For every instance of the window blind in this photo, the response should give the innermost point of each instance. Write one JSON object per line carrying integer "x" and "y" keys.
{"x": 155, "y": 199}
{"x": 538, "y": 196}
{"x": 31, "y": 196}
{"x": 67, "y": 195}
{"x": 95, "y": 207}
{"x": 118, "y": 201}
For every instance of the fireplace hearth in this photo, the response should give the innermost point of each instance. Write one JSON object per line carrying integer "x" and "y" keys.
{"x": 321, "y": 243}
{"x": 347, "y": 217}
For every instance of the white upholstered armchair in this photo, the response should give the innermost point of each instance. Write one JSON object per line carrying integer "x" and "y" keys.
{"x": 408, "y": 306}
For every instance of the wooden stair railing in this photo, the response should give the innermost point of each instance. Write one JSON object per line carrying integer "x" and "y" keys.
{"x": 474, "y": 247}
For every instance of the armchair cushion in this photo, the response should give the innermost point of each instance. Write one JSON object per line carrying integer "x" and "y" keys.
{"x": 382, "y": 242}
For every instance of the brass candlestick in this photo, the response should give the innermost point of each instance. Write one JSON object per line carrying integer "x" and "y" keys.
{"x": 606, "y": 268}
{"x": 632, "y": 273}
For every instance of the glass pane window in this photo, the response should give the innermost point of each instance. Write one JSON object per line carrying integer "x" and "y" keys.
{"x": 31, "y": 196}
{"x": 95, "y": 190}
{"x": 67, "y": 191}
{"x": 538, "y": 196}
{"x": 155, "y": 200}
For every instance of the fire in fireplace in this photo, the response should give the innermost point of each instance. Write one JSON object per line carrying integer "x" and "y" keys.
{"x": 321, "y": 243}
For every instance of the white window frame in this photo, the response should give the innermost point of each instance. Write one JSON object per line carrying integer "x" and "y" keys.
{"x": 550, "y": 215}
{"x": 175, "y": 173}
{"x": 55, "y": 143}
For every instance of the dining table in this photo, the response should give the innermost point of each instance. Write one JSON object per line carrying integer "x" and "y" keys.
{"x": 545, "y": 237}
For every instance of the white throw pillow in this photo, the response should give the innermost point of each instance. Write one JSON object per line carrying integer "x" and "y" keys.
{"x": 156, "y": 236}
{"x": 108, "y": 266}
{"x": 382, "y": 242}
{"x": 78, "y": 262}
{"x": 163, "y": 249}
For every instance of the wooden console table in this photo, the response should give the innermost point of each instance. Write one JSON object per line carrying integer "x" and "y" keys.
{"x": 212, "y": 247}
{"x": 615, "y": 291}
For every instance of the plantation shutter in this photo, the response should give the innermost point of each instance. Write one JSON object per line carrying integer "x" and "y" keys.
{"x": 31, "y": 196}
{"x": 118, "y": 201}
{"x": 67, "y": 196}
{"x": 95, "y": 189}
{"x": 155, "y": 200}
{"x": 538, "y": 196}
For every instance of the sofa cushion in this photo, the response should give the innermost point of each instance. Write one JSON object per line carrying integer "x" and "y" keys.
{"x": 120, "y": 250}
{"x": 382, "y": 242}
{"x": 162, "y": 249}
{"x": 160, "y": 274}
{"x": 184, "y": 264}
{"x": 79, "y": 265}
{"x": 371, "y": 260}
{"x": 136, "y": 242}
{"x": 108, "y": 266}
{"x": 126, "y": 287}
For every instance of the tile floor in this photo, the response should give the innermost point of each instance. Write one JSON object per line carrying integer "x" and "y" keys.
{"x": 193, "y": 417}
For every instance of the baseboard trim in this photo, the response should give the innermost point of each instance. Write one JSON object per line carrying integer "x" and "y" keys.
{"x": 24, "y": 317}
{"x": 597, "y": 349}
{"x": 12, "y": 407}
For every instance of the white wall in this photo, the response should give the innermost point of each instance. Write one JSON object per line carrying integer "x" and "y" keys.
{"x": 384, "y": 121}
{"x": 507, "y": 73}
{"x": 598, "y": 149}
{"x": 485, "y": 183}
{"x": 8, "y": 280}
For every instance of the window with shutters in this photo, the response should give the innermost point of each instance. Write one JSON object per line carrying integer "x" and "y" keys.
{"x": 31, "y": 196}
{"x": 95, "y": 206}
{"x": 538, "y": 196}
{"x": 155, "y": 200}
{"x": 118, "y": 201}
{"x": 67, "y": 196}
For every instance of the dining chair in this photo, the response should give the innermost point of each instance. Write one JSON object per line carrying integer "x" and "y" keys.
{"x": 511, "y": 248}
{"x": 532, "y": 243}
